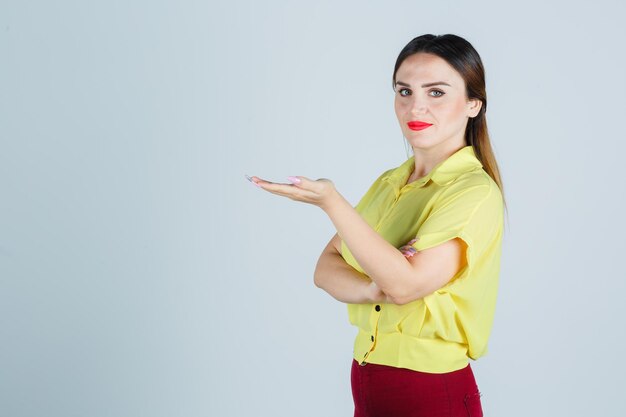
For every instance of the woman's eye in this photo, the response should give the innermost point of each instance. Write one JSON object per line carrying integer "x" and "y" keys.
{"x": 404, "y": 92}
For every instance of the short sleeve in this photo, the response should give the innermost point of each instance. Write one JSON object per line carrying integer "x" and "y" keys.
{"x": 470, "y": 213}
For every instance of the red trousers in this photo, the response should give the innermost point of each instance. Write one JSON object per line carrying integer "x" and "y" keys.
{"x": 386, "y": 391}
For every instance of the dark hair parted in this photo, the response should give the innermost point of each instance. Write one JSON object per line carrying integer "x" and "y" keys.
{"x": 461, "y": 55}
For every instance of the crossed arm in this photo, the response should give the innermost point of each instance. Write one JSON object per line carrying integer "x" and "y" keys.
{"x": 390, "y": 276}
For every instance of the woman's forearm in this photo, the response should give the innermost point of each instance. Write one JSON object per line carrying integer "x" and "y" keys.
{"x": 340, "y": 280}
{"x": 382, "y": 262}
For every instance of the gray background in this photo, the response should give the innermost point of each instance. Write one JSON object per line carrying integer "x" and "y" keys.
{"x": 141, "y": 274}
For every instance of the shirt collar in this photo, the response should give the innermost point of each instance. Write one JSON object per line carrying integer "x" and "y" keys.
{"x": 445, "y": 172}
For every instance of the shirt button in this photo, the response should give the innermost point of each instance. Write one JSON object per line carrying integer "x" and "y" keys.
{"x": 377, "y": 307}
{"x": 372, "y": 338}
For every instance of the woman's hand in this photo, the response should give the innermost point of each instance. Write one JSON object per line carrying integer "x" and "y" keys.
{"x": 376, "y": 295}
{"x": 320, "y": 192}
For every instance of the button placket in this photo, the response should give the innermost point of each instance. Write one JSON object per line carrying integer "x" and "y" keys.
{"x": 373, "y": 337}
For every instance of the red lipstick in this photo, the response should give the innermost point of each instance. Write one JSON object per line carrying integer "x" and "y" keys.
{"x": 418, "y": 125}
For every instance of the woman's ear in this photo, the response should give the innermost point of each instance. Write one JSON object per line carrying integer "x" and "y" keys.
{"x": 473, "y": 107}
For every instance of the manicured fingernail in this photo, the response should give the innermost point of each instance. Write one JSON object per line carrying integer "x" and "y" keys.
{"x": 294, "y": 180}
{"x": 252, "y": 181}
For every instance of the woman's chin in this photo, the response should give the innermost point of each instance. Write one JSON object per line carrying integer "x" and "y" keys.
{"x": 421, "y": 142}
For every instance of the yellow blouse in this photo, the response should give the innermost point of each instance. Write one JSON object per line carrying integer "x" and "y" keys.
{"x": 441, "y": 331}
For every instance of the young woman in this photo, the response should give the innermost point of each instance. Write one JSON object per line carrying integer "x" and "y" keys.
{"x": 417, "y": 259}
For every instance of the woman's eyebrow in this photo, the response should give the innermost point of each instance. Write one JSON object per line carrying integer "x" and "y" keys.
{"x": 425, "y": 85}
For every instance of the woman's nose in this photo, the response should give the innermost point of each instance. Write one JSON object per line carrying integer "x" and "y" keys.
{"x": 418, "y": 105}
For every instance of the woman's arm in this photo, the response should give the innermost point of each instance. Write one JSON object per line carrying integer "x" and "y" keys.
{"x": 381, "y": 261}
{"x": 384, "y": 264}
{"x": 340, "y": 280}
{"x": 403, "y": 281}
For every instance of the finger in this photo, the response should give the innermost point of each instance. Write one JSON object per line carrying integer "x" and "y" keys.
{"x": 258, "y": 180}
{"x": 294, "y": 191}
{"x": 277, "y": 187}
{"x": 272, "y": 186}
{"x": 261, "y": 181}
{"x": 291, "y": 191}
{"x": 300, "y": 181}
{"x": 286, "y": 190}
{"x": 305, "y": 183}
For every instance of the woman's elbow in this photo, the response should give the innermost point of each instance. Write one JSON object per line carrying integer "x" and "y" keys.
{"x": 398, "y": 299}
{"x": 317, "y": 280}
{"x": 319, "y": 274}
{"x": 323, "y": 273}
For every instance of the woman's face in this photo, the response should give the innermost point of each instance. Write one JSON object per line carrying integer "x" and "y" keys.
{"x": 429, "y": 90}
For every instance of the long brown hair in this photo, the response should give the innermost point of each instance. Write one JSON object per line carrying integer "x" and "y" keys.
{"x": 462, "y": 56}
